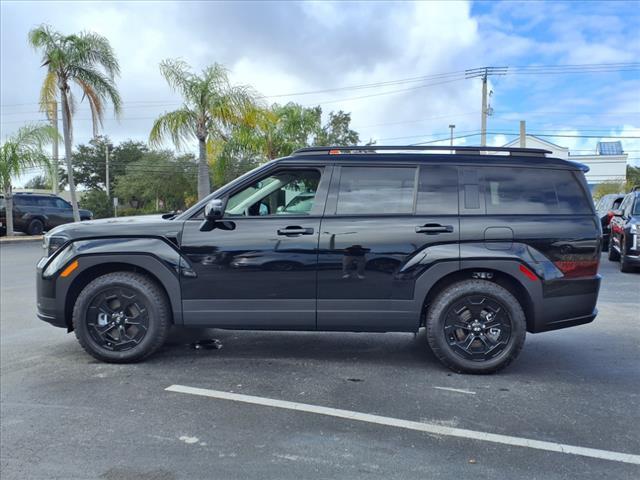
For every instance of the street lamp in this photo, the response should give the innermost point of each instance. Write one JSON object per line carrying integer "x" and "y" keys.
{"x": 452, "y": 127}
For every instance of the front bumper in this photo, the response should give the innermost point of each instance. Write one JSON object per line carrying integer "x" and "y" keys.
{"x": 49, "y": 308}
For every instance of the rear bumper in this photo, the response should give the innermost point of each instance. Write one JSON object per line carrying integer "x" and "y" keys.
{"x": 566, "y": 303}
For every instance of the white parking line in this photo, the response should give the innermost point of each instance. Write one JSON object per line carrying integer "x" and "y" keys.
{"x": 411, "y": 425}
{"x": 457, "y": 390}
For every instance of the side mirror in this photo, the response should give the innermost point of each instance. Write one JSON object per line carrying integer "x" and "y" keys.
{"x": 214, "y": 210}
{"x": 617, "y": 213}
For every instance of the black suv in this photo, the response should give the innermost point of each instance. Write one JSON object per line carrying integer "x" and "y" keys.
{"x": 479, "y": 247}
{"x": 34, "y": 213}
{"x": 625, "y": 229}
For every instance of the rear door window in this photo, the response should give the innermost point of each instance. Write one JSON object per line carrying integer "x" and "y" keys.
{"x": 437, "y": 190}
{"x": 376, "y": 190}
{"x": 510, "y": 190}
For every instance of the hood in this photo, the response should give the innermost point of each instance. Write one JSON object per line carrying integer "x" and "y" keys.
{"x": 146, "y": 225}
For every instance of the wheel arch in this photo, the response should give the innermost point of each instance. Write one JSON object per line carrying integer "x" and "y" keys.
{"x": 505, "y": 279}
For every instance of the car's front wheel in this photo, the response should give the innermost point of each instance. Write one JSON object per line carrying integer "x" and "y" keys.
{"x": 476, "y": 326}
{"x": 121, "y": 317}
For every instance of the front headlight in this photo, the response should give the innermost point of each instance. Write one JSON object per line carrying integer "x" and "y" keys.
{"x": 52, "y": 244}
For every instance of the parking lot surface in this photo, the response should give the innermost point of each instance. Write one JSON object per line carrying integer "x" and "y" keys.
{"x": 64, "y": 415}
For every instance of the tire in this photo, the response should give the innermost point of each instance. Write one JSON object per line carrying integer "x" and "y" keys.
{"x": 624, "y": 265}
{"x": 509, "y": 340}
{"x": 614, "y": 256}
{"x": 102, "y": 301}
{"x": 36, "y": 227}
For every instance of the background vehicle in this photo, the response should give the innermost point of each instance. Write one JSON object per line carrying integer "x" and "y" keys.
{"x": 625, "y": 229}
{"x": 604, "y": 209}
{"x": 479, "y": 249}
{"x": 34, "y": 213}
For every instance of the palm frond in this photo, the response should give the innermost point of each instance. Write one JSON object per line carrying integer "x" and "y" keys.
{"x": 49, "y": 92}
{"x": 176, "y": 73}
{"x": 179, "y": 125}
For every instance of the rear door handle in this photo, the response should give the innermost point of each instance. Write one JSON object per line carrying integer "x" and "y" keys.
{"x": 290, "y": 231}
{"x": 432, "y": 229}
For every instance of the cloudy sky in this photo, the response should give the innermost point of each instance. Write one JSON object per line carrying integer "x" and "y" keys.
{"x": 287, "y": 48}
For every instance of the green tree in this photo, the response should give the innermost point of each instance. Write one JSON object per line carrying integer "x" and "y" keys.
{"x": 337, "y": 131}
{"x": 86, "y": 60}
{"x": 633, "y": 177}
{"x": 39, "y": 182}
{"x": 158, "y": 182}
{"x": 89, "y": 161}
{"x": 18, "y": 153}
{"x": 98, "y": 202}
{"x": 605, "y": 188}
{"x": 212, "y": 108}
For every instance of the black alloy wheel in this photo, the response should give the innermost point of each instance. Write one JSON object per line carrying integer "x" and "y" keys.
{"x": 477, "y": 327}
{"x": 117, "y": 319}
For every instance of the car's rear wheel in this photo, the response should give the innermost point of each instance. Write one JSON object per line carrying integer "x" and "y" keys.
{"x": 121, "y": 317}
{"x": 36, "y": 227}
{"x": 614, "y": 256}
{"x": 476, "y": 326}
{"x": 625, "y": 267}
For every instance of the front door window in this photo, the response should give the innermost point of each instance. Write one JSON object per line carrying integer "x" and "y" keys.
{"x": 288, "y": 192}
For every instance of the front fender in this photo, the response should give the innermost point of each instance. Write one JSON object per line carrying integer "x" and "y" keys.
{"x": 155, "y": 256}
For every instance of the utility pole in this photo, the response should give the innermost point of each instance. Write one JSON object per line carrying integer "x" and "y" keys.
{"x": 54, "y": 148}
{"x": 523, "y": 134}
{"x": 484, "y": 73}
{"x": 106, "y": 156}
{"x": 452, "y": 126}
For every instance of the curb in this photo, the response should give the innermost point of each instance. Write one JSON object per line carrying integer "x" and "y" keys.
{"x": 20, "y": 239}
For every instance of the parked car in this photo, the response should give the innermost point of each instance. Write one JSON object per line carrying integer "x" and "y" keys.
{"x": 625, "y": 229}
{"x": 477, "y": 248}
{"x": 604, "y": 208}
{"x": 34, "y": 213}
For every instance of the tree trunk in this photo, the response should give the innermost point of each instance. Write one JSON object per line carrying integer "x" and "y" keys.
{"x": 66, "y": 132}
{"x": 54, "y": 171}
{"x": 204, "y": 183}
{"x": 8, "y": 206}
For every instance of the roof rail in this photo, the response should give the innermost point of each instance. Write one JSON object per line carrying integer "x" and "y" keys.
{"x": 537, "y": 152}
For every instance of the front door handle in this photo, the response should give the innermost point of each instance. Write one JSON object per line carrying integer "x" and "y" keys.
{"x": 434, "y": 228}
{"x": 295, "y": 230}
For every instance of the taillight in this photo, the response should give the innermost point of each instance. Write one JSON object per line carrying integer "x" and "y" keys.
{"x": 579, "y": 268}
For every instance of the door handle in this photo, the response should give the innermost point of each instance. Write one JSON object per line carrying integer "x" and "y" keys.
{"x": 290, "y": 231}
{"x": 433, "y": 229}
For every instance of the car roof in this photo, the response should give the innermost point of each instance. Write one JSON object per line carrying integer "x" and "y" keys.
{"x": 475, "y": 156}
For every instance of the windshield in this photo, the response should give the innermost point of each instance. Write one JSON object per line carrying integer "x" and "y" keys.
{"x": 636, "y": 207}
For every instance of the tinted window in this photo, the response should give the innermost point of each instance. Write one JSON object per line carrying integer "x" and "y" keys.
{"x": 438, "y": 190}
{"x": 46, "y": 202}
{"x": 24, "y": 200}
{"x": 533, "y": 191}
{"x": 376, "y": 190}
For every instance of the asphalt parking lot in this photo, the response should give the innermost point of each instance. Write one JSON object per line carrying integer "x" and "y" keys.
{"x": 65, "y": 415}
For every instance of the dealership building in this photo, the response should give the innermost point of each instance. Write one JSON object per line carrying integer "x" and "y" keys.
{"x": 608, "y": 163}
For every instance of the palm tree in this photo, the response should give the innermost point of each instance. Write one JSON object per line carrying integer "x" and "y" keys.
{"x": 212, "y": 108}
{"x": 86, "y": 60}
{"x": 18, "y": 153}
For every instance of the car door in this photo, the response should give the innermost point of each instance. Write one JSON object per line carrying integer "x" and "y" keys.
{"x": 257, "y": 268}
{"x": 383, "y": 227}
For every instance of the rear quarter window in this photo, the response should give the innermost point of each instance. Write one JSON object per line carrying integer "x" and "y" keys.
{"x": 522, "y": 191}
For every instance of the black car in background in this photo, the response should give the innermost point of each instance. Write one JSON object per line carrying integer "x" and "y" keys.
{"x": 478, "y": 248}
{"x": 604, "y": 209}
{"x": 625, "y": 229}
{"x": 34, "y": 213}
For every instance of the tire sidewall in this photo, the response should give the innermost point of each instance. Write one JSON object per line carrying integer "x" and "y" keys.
{"x": 156, "y": 319}
{"x": 36, "y": 227}
{"x": 437, "y": 316}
